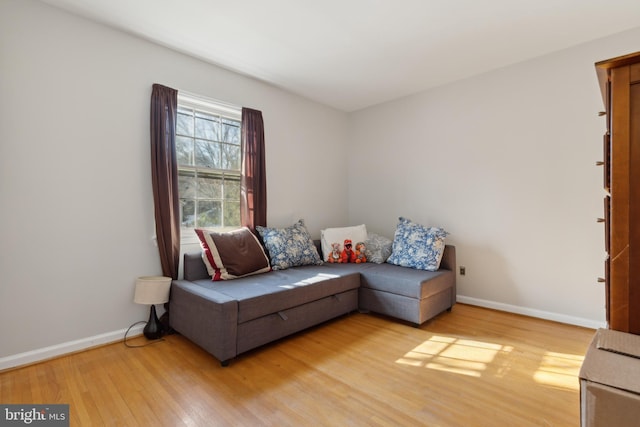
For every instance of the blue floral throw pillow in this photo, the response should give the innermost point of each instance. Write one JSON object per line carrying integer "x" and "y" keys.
{"x": 289, "y": 247}
{"x": 417, "y": 246}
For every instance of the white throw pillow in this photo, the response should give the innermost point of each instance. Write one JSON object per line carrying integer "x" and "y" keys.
{"x": 357, "y": 233}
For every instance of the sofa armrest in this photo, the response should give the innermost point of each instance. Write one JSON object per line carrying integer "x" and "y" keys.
{"x": 448, "y": 261}
{"x": 194, "y": 268}
{"x": 205, "y": 316}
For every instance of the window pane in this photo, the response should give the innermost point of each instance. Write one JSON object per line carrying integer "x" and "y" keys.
{"x": 231, "y": 190}
{"x": 187, "y": 184}
{"x": 231, "y": 214}
{"x": 209, "y": 214}
{"x": 184, "y": 150}
{"x": 231, "y": 131}
{"x": 207, "y": 126}
{"x": 209, "y": 188}
{"x": 187, "y": 213}
{"x": 184, "y": 126}
{"x": 209, "y": 160}
{"x": 207, "y": 154}
{"x": 230, "y": 157}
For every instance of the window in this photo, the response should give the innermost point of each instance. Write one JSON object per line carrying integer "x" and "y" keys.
{"x": 209, "y": 160}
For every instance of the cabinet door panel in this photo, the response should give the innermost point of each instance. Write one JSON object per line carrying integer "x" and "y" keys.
{"x": 607, "y": 223}
{"x": 607, "y": 161}
{"x": 619, "y": 291}
{"x": 634, "y": 208}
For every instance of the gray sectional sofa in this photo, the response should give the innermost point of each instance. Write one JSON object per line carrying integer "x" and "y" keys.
{"x": 227, "y": 318}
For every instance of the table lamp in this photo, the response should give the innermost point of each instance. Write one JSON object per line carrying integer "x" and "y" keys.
{"x": 152, "y": 290}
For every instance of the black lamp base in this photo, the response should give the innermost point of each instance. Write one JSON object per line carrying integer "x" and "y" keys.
{"x": 154, "y": 329}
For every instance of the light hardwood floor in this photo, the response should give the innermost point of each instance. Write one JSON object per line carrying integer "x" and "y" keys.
{"x": 470, "y": 367}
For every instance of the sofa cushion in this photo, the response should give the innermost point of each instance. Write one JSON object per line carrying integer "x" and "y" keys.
{"x": 279, "y": 290}
{"x": 356, "y": 234}
{"x": 289, "y": 247}
{"x": 407, "y": 282}
{"x": 417, "y": 246}
{"x": 233, "y": 254}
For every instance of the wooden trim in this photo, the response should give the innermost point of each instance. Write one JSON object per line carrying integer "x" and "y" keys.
{"x": 635, "y": 73}
{"x": 619, "y": 61}
{"x": 603, "y": 67}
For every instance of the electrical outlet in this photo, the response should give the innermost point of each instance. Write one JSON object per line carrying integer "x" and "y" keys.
{"x": 463, "y": 270}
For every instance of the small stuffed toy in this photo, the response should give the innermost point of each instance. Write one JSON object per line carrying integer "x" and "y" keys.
{"x": 360, "y": 256}
{"x": 348, "y": 254}
{"x": 334, "y": 255}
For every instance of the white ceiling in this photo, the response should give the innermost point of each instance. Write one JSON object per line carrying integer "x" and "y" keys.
{"x": 351, "y": 54}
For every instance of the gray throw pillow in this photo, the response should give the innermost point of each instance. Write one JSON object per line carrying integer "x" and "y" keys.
{"x": 378, "y": 248}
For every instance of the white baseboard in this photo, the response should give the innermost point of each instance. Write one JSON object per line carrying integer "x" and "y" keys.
{"x": 556, "y": 317}
{"x": 45, "y": 353}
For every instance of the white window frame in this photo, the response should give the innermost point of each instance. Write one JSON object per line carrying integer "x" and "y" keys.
{"x": 216, "y": 108}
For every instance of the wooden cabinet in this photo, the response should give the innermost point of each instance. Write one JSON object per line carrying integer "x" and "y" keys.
{"x": 620, "y": 85}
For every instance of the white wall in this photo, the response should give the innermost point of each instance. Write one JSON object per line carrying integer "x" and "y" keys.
{"x": 505, "y": 161}
{"x": 76, "y": 222}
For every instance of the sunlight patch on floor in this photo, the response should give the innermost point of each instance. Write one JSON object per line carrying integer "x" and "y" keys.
{"x": 559, "y": 370}
{"x": 455, "y": 355}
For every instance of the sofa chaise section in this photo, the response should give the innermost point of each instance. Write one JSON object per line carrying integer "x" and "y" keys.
{"x": 409, "y": 294}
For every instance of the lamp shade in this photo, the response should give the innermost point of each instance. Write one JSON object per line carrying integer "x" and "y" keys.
{"x": 152, "y": 290}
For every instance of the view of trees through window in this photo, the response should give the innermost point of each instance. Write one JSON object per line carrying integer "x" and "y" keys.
{"x": 209, "y": 158}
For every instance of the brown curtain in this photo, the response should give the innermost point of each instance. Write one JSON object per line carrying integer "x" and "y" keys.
{"x": 253, "y": 198}
{"x": 164, "y": 175}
